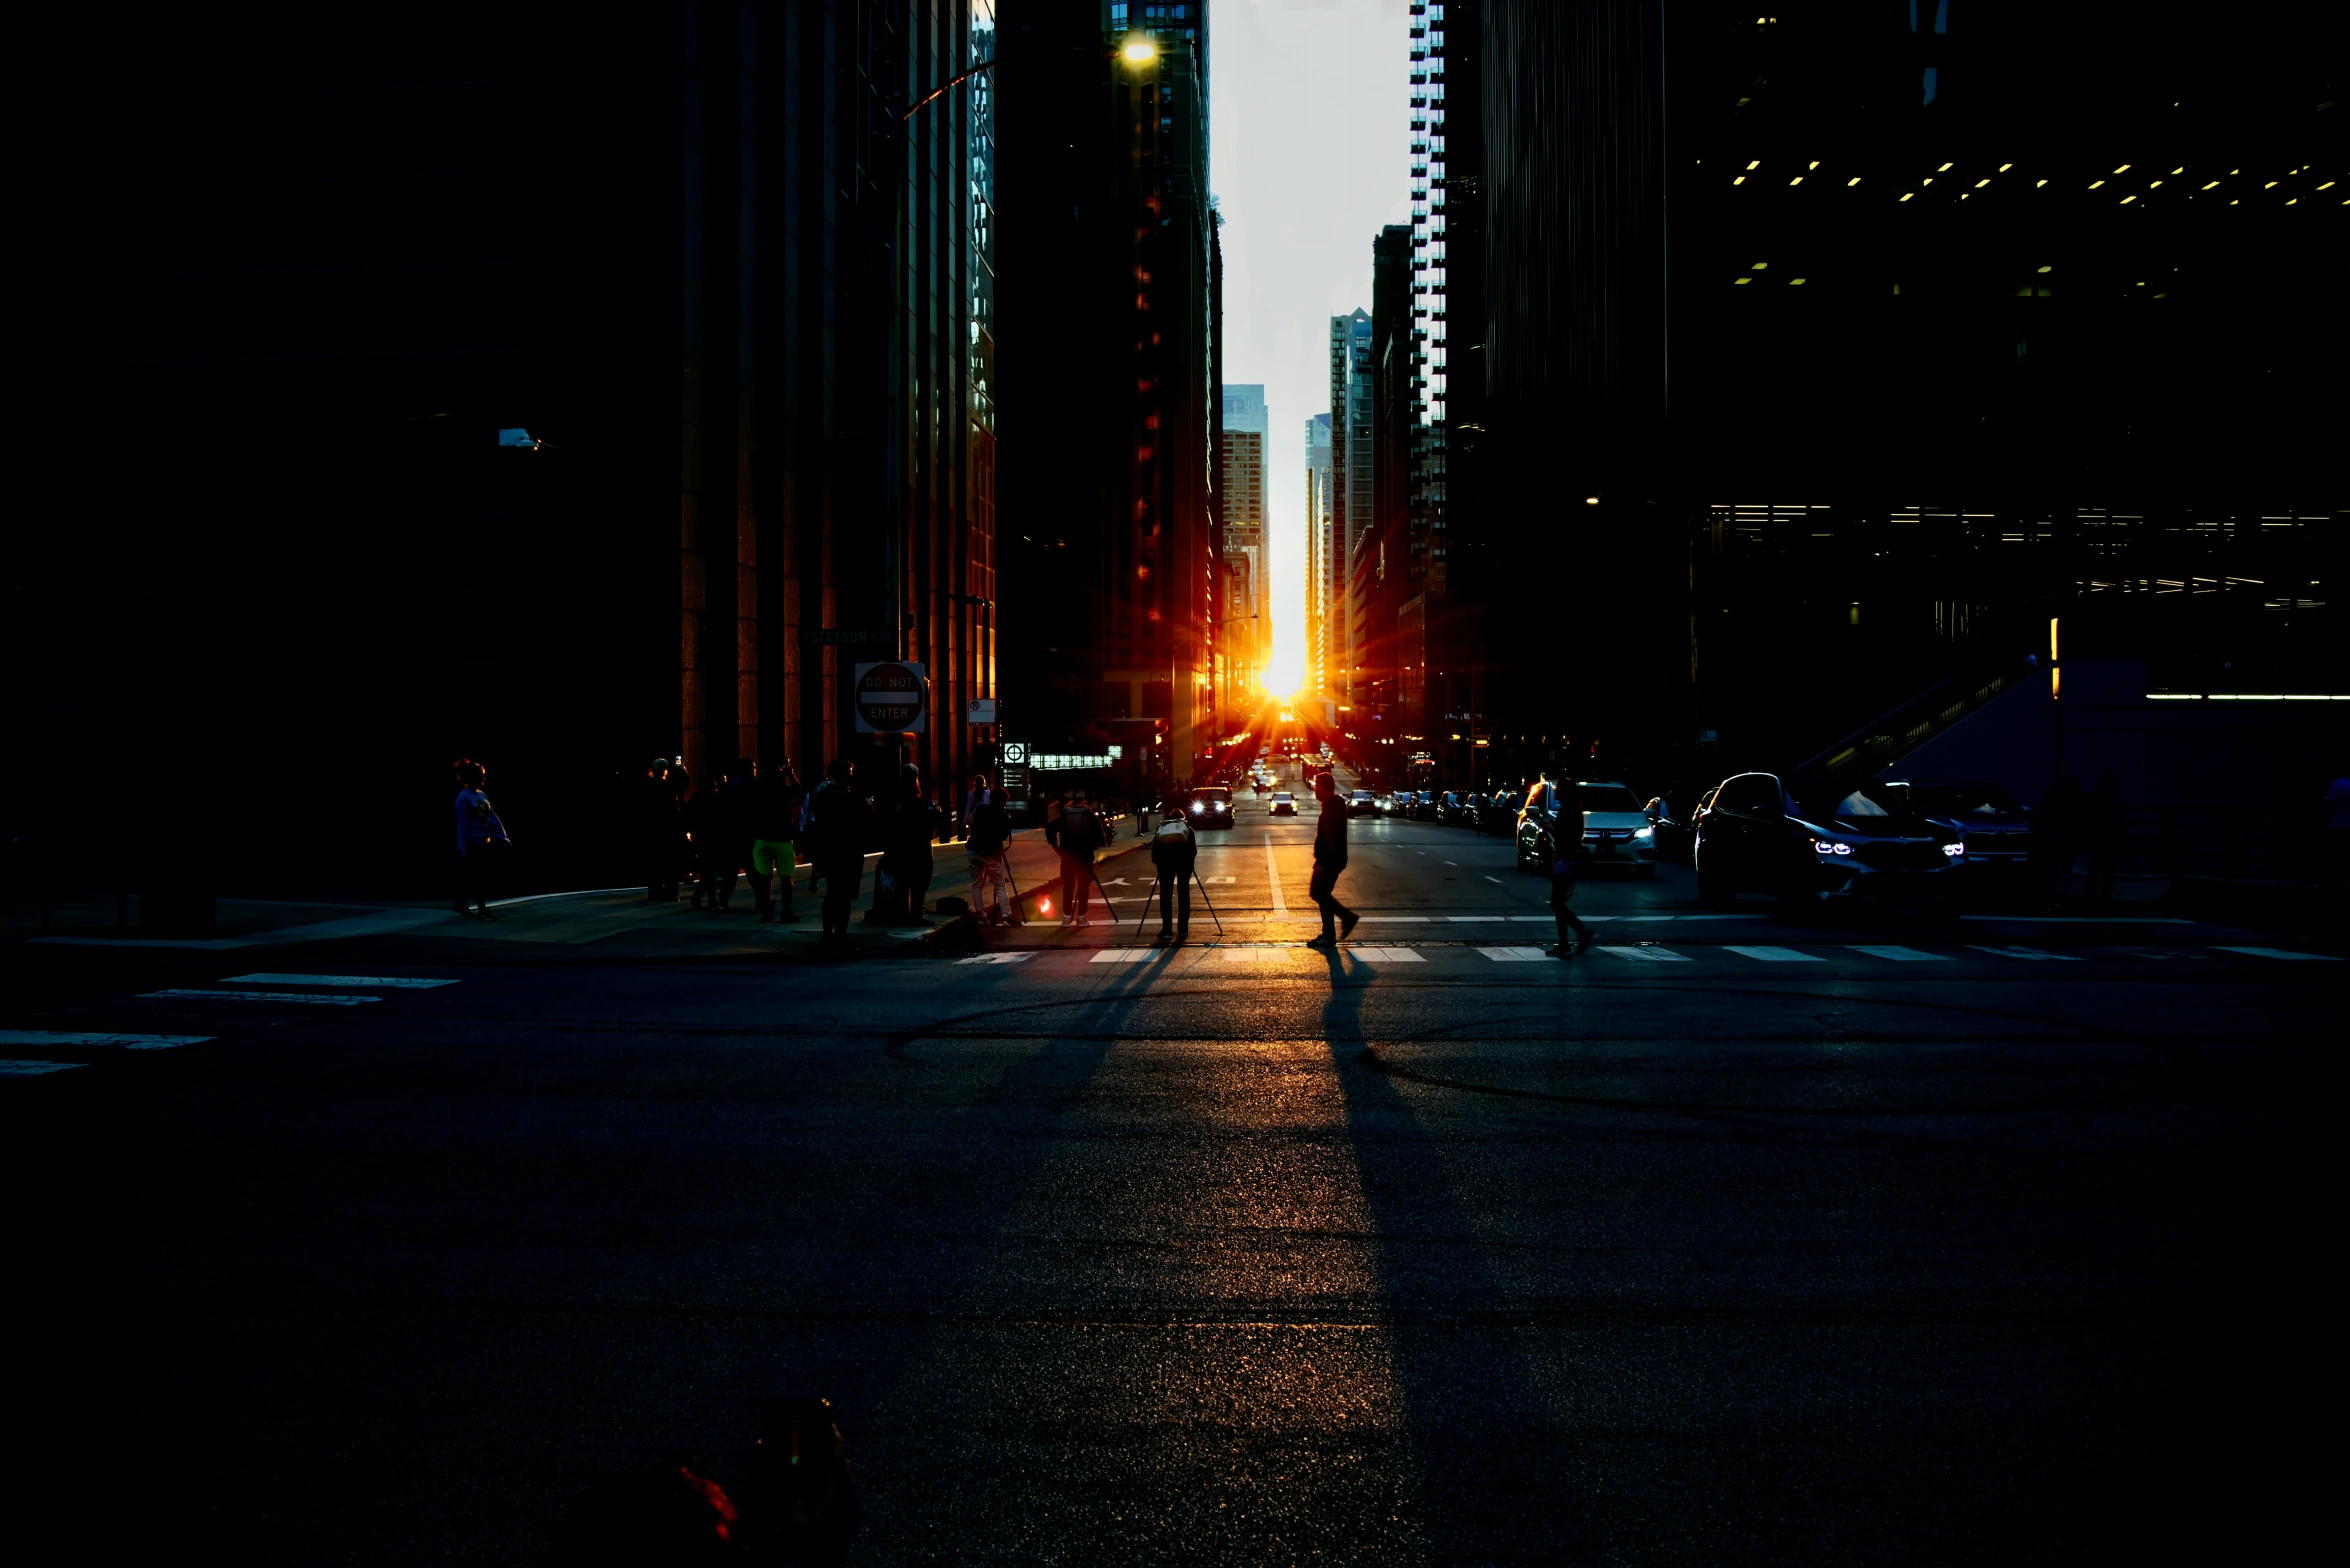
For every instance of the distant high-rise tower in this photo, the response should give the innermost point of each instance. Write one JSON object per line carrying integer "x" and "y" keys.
{"x": 1319, "y": 551}
{"x": 1350, "y": 465}
{"x": 1241, "y": 473}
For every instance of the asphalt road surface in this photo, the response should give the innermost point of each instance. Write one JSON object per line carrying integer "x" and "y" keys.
{"x": 1868, "y": 1240}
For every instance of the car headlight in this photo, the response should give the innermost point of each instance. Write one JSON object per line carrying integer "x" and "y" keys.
{"x": 1954, "y": 851}
{"x": 1197, "y": 808}
{"x": 1640, "y": 833}
{"x": 1827, "y": 848}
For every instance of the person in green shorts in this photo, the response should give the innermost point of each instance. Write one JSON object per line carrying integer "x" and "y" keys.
{"x": 775, "y": 823}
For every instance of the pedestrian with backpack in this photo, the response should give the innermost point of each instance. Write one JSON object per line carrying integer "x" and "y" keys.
{"x": 1175, "y": 857}
{"x": 1079, "y": 835}
{"x": 987, "y": 847}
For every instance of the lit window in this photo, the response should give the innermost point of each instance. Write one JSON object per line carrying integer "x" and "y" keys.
{"x": 2181, "y": 169}
{"x": 1755, "y": 165}
{"x": 1758, "y": 266}
{"x": 1815, "y": 163}
{"x": 1906, "y": 195}
{"x": 1792, "y": 282}
{"x": 1798, "y": 180}
{"x": 1946, "y": 168}
{"x": 2036, "y": 184}
{"x": 1929, "y": 179}
{"x": 2093, "y": 184}
{"x": 1742, "y": 280}
{"x": 2214, "y": 184}
{"x": 1979, "y": 184}
{"x": 1741, "y": 180}
{"x": 2047, "y": 269}
{"x": 2270, "y": 186}
{"x": 1855, "y": 180}
{"x": 2126, "y": 200}
{"x": 2327, "y": 186}
{"x": 2124, "y": 169}
{"x": 2003, "y": 168}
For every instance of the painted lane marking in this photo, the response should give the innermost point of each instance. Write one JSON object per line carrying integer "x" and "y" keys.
{"x": 1497, "y": 882}
{"x": 1774, "y": 955}
{"x": 994, "y": 958}
{"x": 1371, "y": 920}
{"x": 1652, "y": 955}
{"x": 2281, "y": 952}
{"x": 1273, "y": 871}
{"x": 1124, "y": 955}
{"x": 1534, "y": 920}
{"x": 314, "y": 998}
{"x": 1384, "y": 955}
{"x": 127, "y": 1042}
{"x": 1902, "y": 955}
{"x": 1513, "y": 955}
{"x": 2081, "y": 920}
{"x": 1465, "y": 919}
{"x": 2031, "y": 954}
{"x": 33, "y": 1069}
{"x": 338, "y": 982}
{"x": 1252, "y": 955}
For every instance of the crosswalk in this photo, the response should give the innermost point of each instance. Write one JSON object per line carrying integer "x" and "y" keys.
{"x": 52, "y": 1051}
{"x": 1825, "y": 958}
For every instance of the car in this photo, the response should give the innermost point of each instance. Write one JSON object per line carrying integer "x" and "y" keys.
{"x": 1209, "y": 808}
{"x": 1815, "y": 840}
{"x": 1452, "y": 805}
{"x": 1420, "y": 805}
{"x": 1996, "y": 831}
{"x": 1362, "y": 803}
{"x": 1613, "y": 826}
{"x": 1284, "y": 804}
{"x": 1501, "y": 817}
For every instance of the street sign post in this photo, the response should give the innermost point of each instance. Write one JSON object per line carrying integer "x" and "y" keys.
{"x": 979, "y": 710}
{"x": 893, "y": 698}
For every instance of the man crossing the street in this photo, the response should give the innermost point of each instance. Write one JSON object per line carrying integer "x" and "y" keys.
{"x": 1329, "y": 860}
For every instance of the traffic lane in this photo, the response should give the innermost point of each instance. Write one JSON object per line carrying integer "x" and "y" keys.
{"x": 1788, "y": 1300}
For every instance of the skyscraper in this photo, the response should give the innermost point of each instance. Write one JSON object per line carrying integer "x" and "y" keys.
{"x": 1107, "y": 275}
{"x": 1318, "y": 515}
{"x": 1351, "y": 478}
{"x": 1241, "y": 468}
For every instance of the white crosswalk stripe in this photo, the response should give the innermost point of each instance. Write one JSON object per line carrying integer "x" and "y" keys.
{"x": 313, "y": 998}
{"x": 2281, "y": 952}
{"x": 127, "y": 1042}
{"x": 1653, "y": 955}
{"x": 339, "y": 982}
{"x": 2030, "y": 954}
{"x": 994, "y": 958}
{"x": 1900, "y": 955}
{"x": 1513, "y": 955}
{"x": 1775, "y": 955}
{"x": 1385, "y": 955}
{"x": 1124, "y": 955}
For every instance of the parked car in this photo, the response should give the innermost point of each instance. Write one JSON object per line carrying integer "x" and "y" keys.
{"x": 1284, "y": 804}
{"x": 1608, "y": 818}
{"x": 1820, "y": 840}
{"x": 1423, "y": 806}
{"x": 1502, "y": 819}
{"x": 1362, "y": 803}
{"x": 1452, "y": 806}
{"x": 1209, "y": 808}
{"x": 1996, "y": 831}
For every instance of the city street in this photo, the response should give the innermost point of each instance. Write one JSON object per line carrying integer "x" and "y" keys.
{"x": 1869, "y": 1239}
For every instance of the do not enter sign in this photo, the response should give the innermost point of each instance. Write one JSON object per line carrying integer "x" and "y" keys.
{"x": 892, "y": 699}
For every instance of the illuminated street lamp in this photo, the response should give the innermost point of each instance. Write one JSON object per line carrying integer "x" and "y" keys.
{"x": 1139, "y": 51}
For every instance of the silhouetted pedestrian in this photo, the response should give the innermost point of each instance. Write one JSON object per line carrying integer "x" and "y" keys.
{"x": 2104, "y": 826}
{"x": 1175, "y": 857}
{"x": 481, "y": 838}
{"x": 776, "y": 798}
{"x": 1077, "y": 834}
{"x": 731, "y": 831}
{"x": 1329, "y": 861}
{"x": 987, "y": 846}
{"x": 660, "y": 832}
{"x": 913, "y": 829}
{"x": 837, "y": 821}
{"x": 1566, "y": 846}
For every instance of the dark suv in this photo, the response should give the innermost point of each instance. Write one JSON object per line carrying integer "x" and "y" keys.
{"x": 1996, "y": 831}
{"x": 1817, "y": 840}
{"x": 1209, "y": 808}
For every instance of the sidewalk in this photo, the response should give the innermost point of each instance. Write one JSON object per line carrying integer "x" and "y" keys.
{"x": 613, "y": 921}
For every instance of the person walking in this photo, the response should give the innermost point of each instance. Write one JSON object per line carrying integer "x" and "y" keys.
{"x": 2104, "y": 825}
{"x": 776, "y": 797}
{"x": 1175, "y": 857}
{"x": 1329, "y": 861}
{"x": 837, "y": 822}
{"x": 1078, "y": 835}
{"x": 987, "y": 847}
{"x": 481, "y": 838}
{"x": 731, "y": 831}
{"x": 1566, "y": 846}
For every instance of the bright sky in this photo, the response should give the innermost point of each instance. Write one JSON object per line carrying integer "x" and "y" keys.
{"x": 1311, "y": 106}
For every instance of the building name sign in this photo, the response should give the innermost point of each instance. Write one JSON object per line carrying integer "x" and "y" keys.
{"x": 1071, "y": 761}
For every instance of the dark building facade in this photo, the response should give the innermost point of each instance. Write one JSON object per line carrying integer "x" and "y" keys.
{"x": 559, "y": 397}
{"x": 1109, "y": 277}
{"x": 1839, "y": 349}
